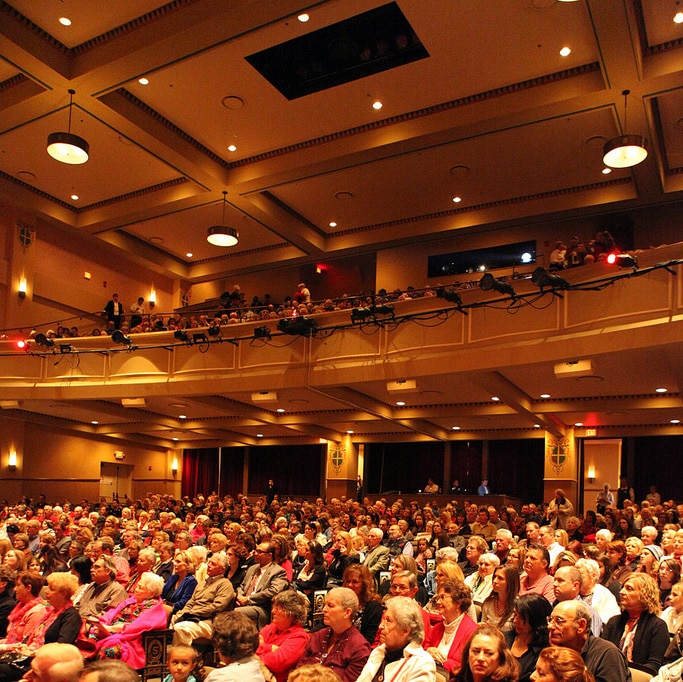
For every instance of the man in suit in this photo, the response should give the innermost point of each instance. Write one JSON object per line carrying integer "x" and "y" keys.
{"x": 261, "y": 583}
{"x": 114, "y": 311}
{"x": 378, "y": 556}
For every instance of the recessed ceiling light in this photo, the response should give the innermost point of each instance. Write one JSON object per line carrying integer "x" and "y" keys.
{"x": 176, "y": 438}
{"x": 143, "y": 81}
{"x": 678, "y": 18}
{"x": 495, "y": 398}
{"x": 578, "y": 424}
{"x": 75, "y": 197}
{"x": 280, "y": 409}
{"x": 457, "y": 200}
{"x": 675, "y": 421}
{"x": 660, "y": 390}
{"x": 189, "y": 254}
{"x": 65, "y": 21}
{"x": 232, "y": 148}
{"x": 259, "y": 435}
{"x": 377, "y": 105}
{"x": 606, "y": 171}
{"x": 545, "y": 395}
{"x": 565, "y": 51}
{"x": 456, "y": 428}
{"x": 349, "y": 431}
{"x": 537, "y": 426}
{"x": 333, "y": 224}
{"x": 303, "y": 17}
{"x": 182, "y": 416}
{"x": 95, "y": 422}
{"x": 400, "y": 403}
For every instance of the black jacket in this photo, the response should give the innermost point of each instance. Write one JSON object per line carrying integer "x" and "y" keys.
{"x": 650, "y": 642}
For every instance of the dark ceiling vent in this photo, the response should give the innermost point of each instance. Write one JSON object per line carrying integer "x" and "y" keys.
{"x": 363, "y": 45}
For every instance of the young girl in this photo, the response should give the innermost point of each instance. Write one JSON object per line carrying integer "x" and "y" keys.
{"x": 181, "y": 662}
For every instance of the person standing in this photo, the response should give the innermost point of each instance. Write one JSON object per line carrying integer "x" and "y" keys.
{"x": 484, "y": 488}
{"x": 114, "y": 311}
{"x": 138, "y": 312}
{"x": 559, "y": 510}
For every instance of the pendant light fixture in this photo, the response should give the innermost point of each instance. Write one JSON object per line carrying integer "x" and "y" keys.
{"x": 624, "y": 151}
{"x": 220, "y": 235}
{"x": 67, "y": 147}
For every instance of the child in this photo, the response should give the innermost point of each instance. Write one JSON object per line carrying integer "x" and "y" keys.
{"x": 181, "y": 663}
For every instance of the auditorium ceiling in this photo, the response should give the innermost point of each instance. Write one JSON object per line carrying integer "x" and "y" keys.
{"x": 477, "y": 102}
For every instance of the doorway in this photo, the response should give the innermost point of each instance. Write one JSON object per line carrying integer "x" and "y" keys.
{"x": 116, "y": 481}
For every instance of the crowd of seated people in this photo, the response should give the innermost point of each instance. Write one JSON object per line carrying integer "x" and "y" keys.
{"x": 233, "y": 308}
{"x": 335, "y": 584}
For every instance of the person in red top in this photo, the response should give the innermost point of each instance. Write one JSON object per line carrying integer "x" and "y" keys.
{"x": 447, "y": 638}
{"x": 537, "y": 580}
{"x": 282, "y": 642}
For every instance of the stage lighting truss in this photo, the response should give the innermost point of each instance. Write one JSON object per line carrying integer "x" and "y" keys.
{"x": 376, "y": 314}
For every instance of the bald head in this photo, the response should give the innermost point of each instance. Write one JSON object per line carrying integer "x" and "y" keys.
{"x": 56, "y": 663}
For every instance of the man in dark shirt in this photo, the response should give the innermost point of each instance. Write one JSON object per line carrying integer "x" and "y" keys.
{"x": 569, "y": 625}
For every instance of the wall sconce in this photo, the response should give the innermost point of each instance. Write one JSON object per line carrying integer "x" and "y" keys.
{"x": 152, "y": 299}
{"x": 12, "y": 461}
{"x": 23, "y": 286}
{"x": 174, "y": 466}
{"x": 119, "y": 455}
{"x": 591, "y": 473}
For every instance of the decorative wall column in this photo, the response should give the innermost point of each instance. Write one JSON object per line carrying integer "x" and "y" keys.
{"x": 341, "y": 468}
{"x": 561, "y": 468}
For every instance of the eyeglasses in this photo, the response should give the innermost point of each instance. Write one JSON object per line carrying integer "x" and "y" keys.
{"x": 558, "y": 620}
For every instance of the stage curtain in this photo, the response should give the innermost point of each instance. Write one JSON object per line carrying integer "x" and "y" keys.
{"x": 200, "y": 471}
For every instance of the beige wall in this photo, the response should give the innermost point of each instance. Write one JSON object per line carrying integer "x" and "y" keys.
{"x": 68, "y": 467}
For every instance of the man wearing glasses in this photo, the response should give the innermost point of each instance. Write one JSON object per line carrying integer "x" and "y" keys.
{"x": 569, "y": 625}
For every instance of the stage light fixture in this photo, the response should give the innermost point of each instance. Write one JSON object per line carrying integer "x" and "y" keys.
{"x": 359, "y": 315}
{"x": 64, "y": 348}
{"x": 298, "y": 326}
{"x": 43, "y": 340}
{"x": 452, "y": 297}
{"x": 544, "y": 279}
{"x": 180, "y": 335}
{"x": 488, "y": 282}
{"x": 262, "y": 332}
{"x": 119, "y": 337}
{"x": 382, "y": 309}
{"x": 623, "y": 260}
{"x": 214, "y": 331}
{"x": 200, "y": 338}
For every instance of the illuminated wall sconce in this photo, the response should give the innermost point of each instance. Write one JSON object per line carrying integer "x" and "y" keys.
{"x": 23, "y": 287}
{"x": 591, "y": 473}
{"x": 174, "y": 466}
{"x": 119, "y": 455}
{"x": 152, "y": 299}
{"x": 12, "y": 461}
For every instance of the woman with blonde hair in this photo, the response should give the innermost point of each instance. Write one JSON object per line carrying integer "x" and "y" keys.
{"x": 561, "y": 664}
{"x": 638, "y": 631}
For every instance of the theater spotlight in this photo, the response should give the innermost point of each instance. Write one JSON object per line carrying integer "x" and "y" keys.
{"x": 180, "y": 335}
{"x": 199, "y": 338}
{"x": 298, "y": 326}
{"x": 450, "y": 296}
{"x": 42, "y": 340}
{"x": 262, "y": 332}
{"x": 119, "y": 337}
{"x": 214, "y": 331}
{"x": 359, "y": 315}
{"x": 543, "y": 279}
{"x": 382, "y": 309}
{"x": 64, "y": 348}
{"x": 489, "y": 282}
{"x": 623, "y": 260}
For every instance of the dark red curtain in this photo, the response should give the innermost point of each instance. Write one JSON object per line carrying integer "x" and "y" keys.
{"x": 200, "y": 471}
{"x": 296, "y": 469}
{"x": 232, "y": 469}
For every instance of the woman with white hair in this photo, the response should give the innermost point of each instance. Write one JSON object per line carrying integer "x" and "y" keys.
{"x": 480, "y": 583}
{"x": 593, "y": 593}
{"x": 400, "y": 656}
{"x": 120, "y": 629}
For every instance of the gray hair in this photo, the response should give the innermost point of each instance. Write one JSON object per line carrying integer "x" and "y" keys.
{"x": 604, "y": 533}
{"x": 505, "y": 532}
{"x": 347, "y": 597}
{"x": 591, "y": 567}
{"x": 408, "y": 617}
{"x": 152, "y": 582}
{"x": 447, "y": 554}
{"x": 490, "y": 556}
{"x": 376, "y": 532}
{"x": 148, "y": 554}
